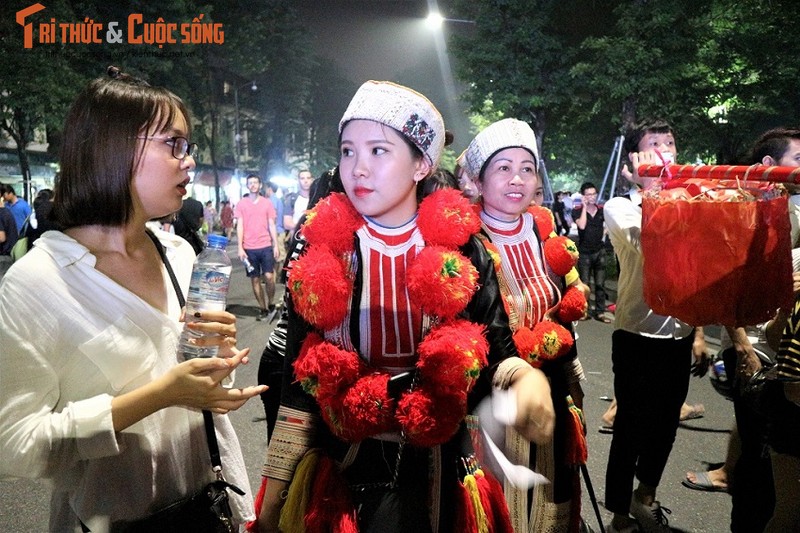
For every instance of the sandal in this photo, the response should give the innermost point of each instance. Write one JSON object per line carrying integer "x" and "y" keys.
{"x": 703, "y": 483}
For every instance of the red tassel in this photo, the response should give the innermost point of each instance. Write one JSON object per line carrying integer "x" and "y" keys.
{"x": 330, "y": 507}
{"x": 494, "y": 503}
{"x": 252, "y": 527}
{"x": 577, "y": 450}
{"x": 465, "y": 516}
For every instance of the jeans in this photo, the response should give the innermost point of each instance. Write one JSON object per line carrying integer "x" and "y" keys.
{"x": 594, "y": 263}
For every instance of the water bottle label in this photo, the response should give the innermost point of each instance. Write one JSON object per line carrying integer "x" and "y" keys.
{"x": 208, "y": 286}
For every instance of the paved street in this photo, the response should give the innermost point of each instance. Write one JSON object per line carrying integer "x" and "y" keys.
{"x": 24, "y": 503}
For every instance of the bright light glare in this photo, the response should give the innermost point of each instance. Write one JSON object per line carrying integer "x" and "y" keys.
{"x": 435, "y": 20}
{"x": 283, "y": 182}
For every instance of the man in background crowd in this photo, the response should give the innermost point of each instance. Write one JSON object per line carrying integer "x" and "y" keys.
{"x": 258, "y": 243}
{"x": 18, "y": 207}
{"x": 296, "y": 203}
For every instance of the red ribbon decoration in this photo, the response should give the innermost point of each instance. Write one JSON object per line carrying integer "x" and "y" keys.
{"x": 723, "y": 172}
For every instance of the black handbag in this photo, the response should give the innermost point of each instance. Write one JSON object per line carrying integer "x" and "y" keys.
{"x": 209, "y": 510}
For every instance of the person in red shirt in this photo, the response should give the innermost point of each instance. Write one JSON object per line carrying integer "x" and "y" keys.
{"x": 257, "y": 236}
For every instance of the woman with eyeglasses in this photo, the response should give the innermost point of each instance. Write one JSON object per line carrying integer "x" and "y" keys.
{"x": 92, "y": 394}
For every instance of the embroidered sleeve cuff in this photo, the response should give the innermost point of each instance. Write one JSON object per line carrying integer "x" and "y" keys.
{"x": 506, "y": 370}
{"x": 294, "y": 431}
{"x": 574, "y": 371}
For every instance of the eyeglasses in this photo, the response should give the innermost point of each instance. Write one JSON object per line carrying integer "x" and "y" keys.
{"x": 181, "y": 147}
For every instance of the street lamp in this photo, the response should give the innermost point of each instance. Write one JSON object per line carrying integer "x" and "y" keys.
{"x": 237, "y": 137}
{"x": 435, "y": 20}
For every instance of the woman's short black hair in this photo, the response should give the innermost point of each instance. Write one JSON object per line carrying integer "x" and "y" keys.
{"x": 100, "y": 151}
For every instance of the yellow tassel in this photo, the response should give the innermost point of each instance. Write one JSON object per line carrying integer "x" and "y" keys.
{"x": 294, "y": 509}
{"x": 474, "y": 496}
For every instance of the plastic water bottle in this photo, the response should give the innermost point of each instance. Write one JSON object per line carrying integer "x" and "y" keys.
{"x": 247, "y": 265}
{"x": 208, "y": 291}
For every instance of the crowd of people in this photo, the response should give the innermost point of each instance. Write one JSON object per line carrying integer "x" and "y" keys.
{"x": 415, "y": 298}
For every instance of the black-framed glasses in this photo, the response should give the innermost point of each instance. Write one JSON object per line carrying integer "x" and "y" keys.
{"x": 181, "y": 147}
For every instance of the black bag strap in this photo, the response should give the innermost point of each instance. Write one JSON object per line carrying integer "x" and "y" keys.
{"x": 208, "y": 418}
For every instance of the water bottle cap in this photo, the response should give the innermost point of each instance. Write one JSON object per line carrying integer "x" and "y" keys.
{"x": 217, "y": 241}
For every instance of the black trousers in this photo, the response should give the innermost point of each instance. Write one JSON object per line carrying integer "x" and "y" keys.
{"x": 753, "y": 489}
{"x": 651, "y": 381}
{"x": 594, "y": 264}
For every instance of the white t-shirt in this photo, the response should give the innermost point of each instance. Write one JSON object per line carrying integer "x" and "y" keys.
{"x": 623, "y": 219}
{"x": 300, "y": 206}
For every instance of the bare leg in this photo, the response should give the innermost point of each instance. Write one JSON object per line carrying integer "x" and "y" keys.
{"x": 722, "y": 477}
{"x": 610, "y": 414}
{"x": 645, "y": 494}
{"x": 258, "y": 291}
{"x": 269, "y": 282}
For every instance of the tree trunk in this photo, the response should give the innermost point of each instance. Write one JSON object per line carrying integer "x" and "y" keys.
{"x": 628, "y": 113}
{"x": 213, "y": 153}
{"x": 539, "y": 123}
{"x": 19, "y": 131}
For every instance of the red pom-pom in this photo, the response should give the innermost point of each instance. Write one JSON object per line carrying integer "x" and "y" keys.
{"x": 307, "y": 369}
{"x": 428, "y": 420}
{"x": 544, "y": 221}
{"x": 368, "y": 408}
{"x": 332, "y": 411}
{"x": 573, "y": 305}
{"x": 326, "y": 367}
{"x": 554, "y": 340}
{"x": 341, "y": 221}
{"x": 452, "y": 355}
{"x": 441, "y": 281}
{"x": 527, "y": 345}
{"x": 561, "y": 254}
{"x": 320, "y": 287}
{"x": 446, "y": 218}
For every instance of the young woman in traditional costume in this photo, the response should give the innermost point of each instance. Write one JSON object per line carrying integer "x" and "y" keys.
{"x": 395, "y": 330}
{"x": 541, "y": 292}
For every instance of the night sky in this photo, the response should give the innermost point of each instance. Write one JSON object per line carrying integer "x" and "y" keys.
{"x": 387, "y": 40}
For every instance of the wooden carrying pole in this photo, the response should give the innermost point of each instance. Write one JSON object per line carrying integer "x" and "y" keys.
{"x": 723, "y": 172}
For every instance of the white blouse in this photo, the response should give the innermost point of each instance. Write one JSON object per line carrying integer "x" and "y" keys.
{"x": 70, "y": 340}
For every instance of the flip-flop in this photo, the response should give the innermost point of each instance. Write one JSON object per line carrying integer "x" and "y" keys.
{"x": 697, "y": 411}
{"x": 703, "y": 483}
{"x": 606, "y": 429}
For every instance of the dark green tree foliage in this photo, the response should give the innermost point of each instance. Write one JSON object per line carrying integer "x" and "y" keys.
{"x": 36, "y": 84}
{"x": 649, "y": 66}
{"x": 266, "y": 44}
{"x": 583, "y": 71}
{"x": 750, "y": 58}
{"x": 330, "y": 93}
{"x": 519, "y": 58}
{"x": 271, "y": 45}
{"x": 512, "y": 59}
